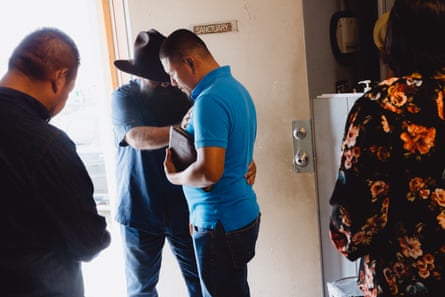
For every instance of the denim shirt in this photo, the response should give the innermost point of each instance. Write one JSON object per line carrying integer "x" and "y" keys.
{"x": 49, "y": 221}
{"x": 146, "y": 200}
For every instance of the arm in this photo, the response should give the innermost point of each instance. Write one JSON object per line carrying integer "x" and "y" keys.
{"x": 134, "y": 124}
{"x": 132, "y": 121}
{"x": 202, "y": 174}
{"x": 251, "y": 173}
{"x": 360, "y": 200}
{"x": 67, "y": 193}
{"x": 148, "y": 138}
{"x": 205, "y": 171}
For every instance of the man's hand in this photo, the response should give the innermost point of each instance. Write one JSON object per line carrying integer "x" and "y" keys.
{"x": 186, "y": 118}
{"x": 251, "y": 173}
{"x": 169, "y": 167}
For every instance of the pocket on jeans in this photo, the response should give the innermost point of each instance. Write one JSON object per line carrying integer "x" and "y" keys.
{"x": 241, "y": 243}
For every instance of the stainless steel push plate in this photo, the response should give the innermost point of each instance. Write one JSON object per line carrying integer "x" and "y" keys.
{"x": 302, "y": 141}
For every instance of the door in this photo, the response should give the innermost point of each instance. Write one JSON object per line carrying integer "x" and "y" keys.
{"x": 329, "y": 117}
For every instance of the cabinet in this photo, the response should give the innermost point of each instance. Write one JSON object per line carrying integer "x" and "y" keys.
{"x": 329, "y": 112}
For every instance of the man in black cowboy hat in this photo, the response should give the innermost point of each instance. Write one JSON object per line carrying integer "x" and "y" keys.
{"x": 149, "y": 209}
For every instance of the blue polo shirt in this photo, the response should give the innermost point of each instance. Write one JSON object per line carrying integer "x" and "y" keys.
{"x": 224, "y": 116}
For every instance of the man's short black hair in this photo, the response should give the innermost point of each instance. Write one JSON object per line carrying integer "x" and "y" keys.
{"x": 44, "y": 51}
{"x": 181, "y": 43}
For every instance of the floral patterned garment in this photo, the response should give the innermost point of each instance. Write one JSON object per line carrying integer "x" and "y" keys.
{"x": 388, "y": 205}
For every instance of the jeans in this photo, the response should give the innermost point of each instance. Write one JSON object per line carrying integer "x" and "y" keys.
{"x": 143, "y": 255}
{"x": 222, "y": 259}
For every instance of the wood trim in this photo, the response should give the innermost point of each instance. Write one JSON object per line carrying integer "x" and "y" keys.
{"x": 106, "y": 10}
{"x": 117, "y": 37}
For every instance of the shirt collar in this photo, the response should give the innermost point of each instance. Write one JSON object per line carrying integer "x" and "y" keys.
{"x": 29, "y": 101}
{"x": 208, "y": 79}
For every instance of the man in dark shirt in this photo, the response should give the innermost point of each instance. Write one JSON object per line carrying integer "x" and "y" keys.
{"x": 49, "y": 221}
{"x": 149, "y": 208}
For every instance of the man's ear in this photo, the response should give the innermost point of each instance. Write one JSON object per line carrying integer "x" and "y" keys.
{"x": 191, "y": 63}
{"x": 54, "y": 86}
{"x": 59, "y": 79}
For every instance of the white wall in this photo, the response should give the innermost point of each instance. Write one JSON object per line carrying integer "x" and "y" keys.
{"x": 267, "y": 54}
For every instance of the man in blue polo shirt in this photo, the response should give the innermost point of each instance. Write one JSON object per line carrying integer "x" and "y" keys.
{"x": 225, "y": 220}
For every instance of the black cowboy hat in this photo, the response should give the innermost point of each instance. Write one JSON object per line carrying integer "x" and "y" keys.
{"x": 146, "y": 61}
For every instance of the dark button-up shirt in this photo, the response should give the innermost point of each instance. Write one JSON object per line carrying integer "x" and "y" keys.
{"x": 48, "y": 222}
{"x": 146, "y": 199}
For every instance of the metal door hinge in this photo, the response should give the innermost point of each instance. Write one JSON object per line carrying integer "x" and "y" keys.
{"x": 302, "y": 141}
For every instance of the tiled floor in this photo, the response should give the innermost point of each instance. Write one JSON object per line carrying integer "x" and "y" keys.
{"x": 104, "y": 275}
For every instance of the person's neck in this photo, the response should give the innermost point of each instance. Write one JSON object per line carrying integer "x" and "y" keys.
{"x": 208, "y": 67}
{"x": 18, "y": 81}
